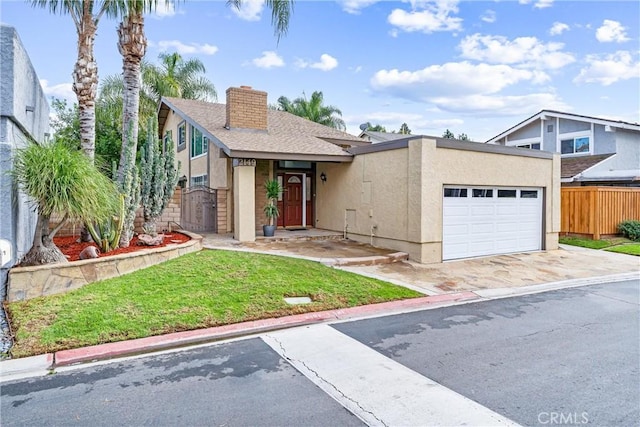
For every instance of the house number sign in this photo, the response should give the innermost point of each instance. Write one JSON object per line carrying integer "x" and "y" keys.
{"x": 244, "y": 162}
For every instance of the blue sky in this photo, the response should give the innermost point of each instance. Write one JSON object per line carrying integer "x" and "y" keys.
{"x": 476, "y": 67}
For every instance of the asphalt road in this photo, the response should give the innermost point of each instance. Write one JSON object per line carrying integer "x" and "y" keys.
{"x": 568, "y": 357}
{"x": 241, "y": 383}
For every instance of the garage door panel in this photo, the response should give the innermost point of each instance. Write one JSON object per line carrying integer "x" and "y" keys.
{"x": 478, "y": 226}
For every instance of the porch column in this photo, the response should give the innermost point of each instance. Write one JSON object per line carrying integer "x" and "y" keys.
{"x": 244, "y": 200}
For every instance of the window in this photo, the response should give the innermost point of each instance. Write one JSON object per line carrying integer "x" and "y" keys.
{"x": 182, "y": 136}
{"x": 534, "y": 146}
{"x": 168, "y": 140}
{"x": 292, "y": 164}
{"x": 455, "y": 192}
{"x": 199, "y": 143}
{"x": 511, "y": 194}
{"x": 200, "y": 180}
{"x": 574, "y": 145}
{"x": 529, "y": 194}
{"x": 480, "y": 192}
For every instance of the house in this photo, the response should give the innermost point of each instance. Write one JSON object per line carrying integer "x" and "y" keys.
{"x": 24, "y": 115}
{"x": 594, "y": 151}
{"x": 375, "y": 137}
{"x": 433, "y": 198}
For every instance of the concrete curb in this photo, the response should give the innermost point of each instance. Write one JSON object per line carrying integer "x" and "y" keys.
{"x": 16, "y": 369}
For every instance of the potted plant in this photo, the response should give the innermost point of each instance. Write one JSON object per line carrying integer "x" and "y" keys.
{"x": 273, "y": 190}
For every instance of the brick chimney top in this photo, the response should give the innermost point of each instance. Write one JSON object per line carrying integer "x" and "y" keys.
{"x": 246, "y": 108}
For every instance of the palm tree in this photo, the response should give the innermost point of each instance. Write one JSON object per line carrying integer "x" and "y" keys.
{"x": 60, "y": 179}
{"x": 313, "y": 110}
{"x": 85, "y": 71}
{"x": 174, "y": 76}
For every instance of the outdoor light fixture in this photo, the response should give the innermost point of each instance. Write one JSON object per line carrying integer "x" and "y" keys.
{"x": 182, "y": 182}
{"x": 323, "y": 177}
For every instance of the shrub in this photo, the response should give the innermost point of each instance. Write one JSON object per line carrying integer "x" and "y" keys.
{"x": 630, "y": 229}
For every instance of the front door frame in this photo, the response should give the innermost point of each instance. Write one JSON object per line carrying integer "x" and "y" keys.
{"x": 308, "y": 207}
{"x": 303, "y": 198}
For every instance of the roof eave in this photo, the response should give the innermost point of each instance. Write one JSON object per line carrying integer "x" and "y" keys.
{"x": 267, "y": 155}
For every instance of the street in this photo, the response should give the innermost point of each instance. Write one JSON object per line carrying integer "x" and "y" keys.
{"x": 565, "y": 357}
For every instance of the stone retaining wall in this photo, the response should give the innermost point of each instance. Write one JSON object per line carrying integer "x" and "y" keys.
{"x": 31, "y": 282}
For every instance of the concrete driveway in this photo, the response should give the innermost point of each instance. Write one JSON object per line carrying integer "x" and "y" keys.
{"x": 502, "y": 271}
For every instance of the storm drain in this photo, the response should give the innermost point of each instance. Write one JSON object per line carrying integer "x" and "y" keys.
{"x": 298, "y": 300}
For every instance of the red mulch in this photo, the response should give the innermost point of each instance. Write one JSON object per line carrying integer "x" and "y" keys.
{"x": 70, "y": 246}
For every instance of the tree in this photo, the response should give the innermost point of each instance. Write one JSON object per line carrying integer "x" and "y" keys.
{"x": 313, "y": 109}
{"x": 173, "y": 76}
{"x": 85, "y": 71}
{"x": 159, "y": 177}
{"x": 404, "y": 129}
{"x": 376, "y": 128}
{"x": 463, "y": 137}
{"x": 448, "y": 134}
{"x": 61, "y": 180}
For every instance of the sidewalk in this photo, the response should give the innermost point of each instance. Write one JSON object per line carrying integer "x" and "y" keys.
{"x": 454, "y": 282}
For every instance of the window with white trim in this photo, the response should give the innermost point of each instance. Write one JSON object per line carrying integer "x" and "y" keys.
{"x": 534, "y": 146}
{"x": 575, "y": 145}
{"x": 199, "y": 180}
{"x": 531, "y": 143}
{"x": 199, "y": 143}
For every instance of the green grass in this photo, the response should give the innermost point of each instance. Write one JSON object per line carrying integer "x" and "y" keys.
{"x": 616, "y": 244}
{"x": 198, "y": 290}
{"x": 585, "y": 243}
{"x": 629, "y": 249}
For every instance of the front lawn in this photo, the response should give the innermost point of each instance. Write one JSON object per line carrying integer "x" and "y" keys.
{"x": 198, "y": 290}
{"x": 615, "y": 244}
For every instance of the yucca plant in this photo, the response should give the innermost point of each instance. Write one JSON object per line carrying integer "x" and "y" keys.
{"x": 273, "y": 190}
{"x": 60, "y": 180}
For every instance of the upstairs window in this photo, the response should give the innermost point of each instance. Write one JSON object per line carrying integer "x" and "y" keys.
{"x": 199, "y": 143}
{"x": 575, "y": 145}
{"x": 182, "y": 136}
{"x": 534, "y": 146}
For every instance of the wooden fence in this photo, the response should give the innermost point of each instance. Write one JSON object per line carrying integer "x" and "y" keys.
{"x": 597, "y": 211}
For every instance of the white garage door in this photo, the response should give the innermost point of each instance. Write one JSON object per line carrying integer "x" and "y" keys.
{"x": 481, "y": 221}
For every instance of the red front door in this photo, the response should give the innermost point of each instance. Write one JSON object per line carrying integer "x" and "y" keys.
{"x": 292, "y": 200}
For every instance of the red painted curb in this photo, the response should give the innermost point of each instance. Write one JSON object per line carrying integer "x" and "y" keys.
{"x": 199, "y": 336}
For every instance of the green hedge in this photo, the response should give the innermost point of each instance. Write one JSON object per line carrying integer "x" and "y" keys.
{"x": 630, "y": 229}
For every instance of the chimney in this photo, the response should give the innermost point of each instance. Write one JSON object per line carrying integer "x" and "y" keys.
{"x": 246, "y": 108}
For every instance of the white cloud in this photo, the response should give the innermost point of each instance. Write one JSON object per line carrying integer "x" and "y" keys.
{"x": 186, "y": 49}
{"x": 355, "y": 6}
{"x": 453, "y": 79}
{"x": 542, "y": 4}
{"x": 524, "y": 51}
{"x": 62, "y": 91}
{"x": 326, "y": 63}
{"x": 436, "y": 16}
{"x": 251, "y": 10}
{"x": 496, "y": 105}
{"x": 539, "y": 4}
{"x": 558, "y": 28}
{"x": 611, "y": 31}
{"x": 608, "y": 69}
{"x": 356, "y": 69}
{"x": 269, "y": 59}
{"x": 164, "y": 9}
{"x": 489, "y": 16}
{"x": 392, "y": 120}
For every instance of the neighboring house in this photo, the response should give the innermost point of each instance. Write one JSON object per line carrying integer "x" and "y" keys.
{"x": 436, "y": 199}
{"x": 594, "y": 151}
{"x": 24, "y": 114}
{"x": 375, "y": 137}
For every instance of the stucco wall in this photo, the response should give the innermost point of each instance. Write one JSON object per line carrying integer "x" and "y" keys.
{"x": 24, "y": 113}
{"x": 605, "y": 142}
{"x": 627, "y": 157}
{"x": 171, "y": 124}
{"x": 400, "y": 193}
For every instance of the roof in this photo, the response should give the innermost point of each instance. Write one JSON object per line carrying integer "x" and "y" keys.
{"x": 288, "y": 137}
{"x": 381, "y": 136}
{"x": 572, "y": 166}
{"x": 552, "y": 113}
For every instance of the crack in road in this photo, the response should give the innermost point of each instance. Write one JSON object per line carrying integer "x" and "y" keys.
{"x": 291, "y": 360}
